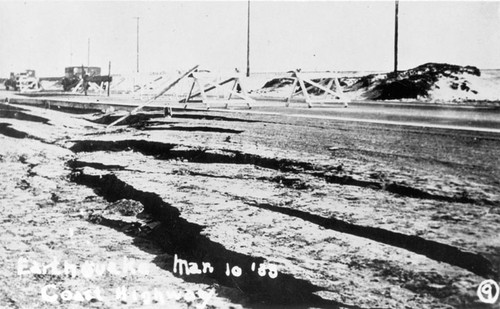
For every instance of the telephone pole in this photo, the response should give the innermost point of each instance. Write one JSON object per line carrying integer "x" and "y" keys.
{"x": 137, "y": 18}
{"x": 88, "y": 53}
{"x": 396, "y": 38}
{"x": 248, "y": 40}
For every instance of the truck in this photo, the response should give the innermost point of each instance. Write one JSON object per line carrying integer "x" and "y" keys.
{"x": 75, "y": 74}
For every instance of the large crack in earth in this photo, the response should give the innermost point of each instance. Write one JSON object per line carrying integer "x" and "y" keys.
{"x": 8, "y": 111}
{"x": 7, "y": 130}
{"x": 473, "y": 262}
{"x": 211, "y": 117}
{"x": 194, "y": 129}
{"x": 108, "y": 119}
{"x": 179, "y": 236}
{"x": 167, "y": 151}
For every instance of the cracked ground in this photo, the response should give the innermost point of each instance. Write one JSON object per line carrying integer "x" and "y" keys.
{"x": 350, "y": 215}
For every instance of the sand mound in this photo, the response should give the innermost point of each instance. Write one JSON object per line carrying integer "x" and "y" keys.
{"x": 430, "y": 82}
{"x": 420, "y": 83}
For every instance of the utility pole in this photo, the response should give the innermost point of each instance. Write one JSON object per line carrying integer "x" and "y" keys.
{"x": 248, "y": 40}
{"x": 88, "y": 53}
{"x": 396, "y": 39}
{"x": 137, "y": 18}
{"x": 109, "y": 78}
{"x": 85, "y": 80}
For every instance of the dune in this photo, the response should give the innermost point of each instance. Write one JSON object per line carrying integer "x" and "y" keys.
{"x": 430, "y": 82}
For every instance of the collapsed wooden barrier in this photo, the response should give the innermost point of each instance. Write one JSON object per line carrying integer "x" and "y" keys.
{"x": 29, "y": 84}
{"x": 238, "y": 89}
{"x": 205, "y": 83}
{"x": 332, "y": 88}
{"x": 163, "y": 91}
{"x": 92, "y": 86}
{"x": 142, "y": 88}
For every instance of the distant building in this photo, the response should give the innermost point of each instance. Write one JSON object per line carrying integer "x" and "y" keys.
{"x": 76, "y": 71}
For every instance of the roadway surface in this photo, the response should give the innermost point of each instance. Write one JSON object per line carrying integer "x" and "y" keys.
{"x": 412, "y": 114}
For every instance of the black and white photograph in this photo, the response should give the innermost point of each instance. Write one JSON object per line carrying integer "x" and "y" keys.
{"x": 250, "y": 154}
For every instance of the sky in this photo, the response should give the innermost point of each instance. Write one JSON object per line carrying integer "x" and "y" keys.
{"x": 48, "y": 36}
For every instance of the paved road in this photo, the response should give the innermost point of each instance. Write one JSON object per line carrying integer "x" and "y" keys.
{"x": 485, "y": 119}
{"x": 481, "y": 119}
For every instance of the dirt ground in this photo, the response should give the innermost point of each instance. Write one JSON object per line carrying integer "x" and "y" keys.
{"x": 306, "y": 213}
